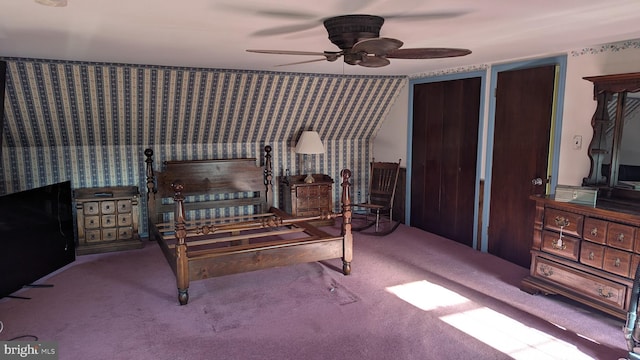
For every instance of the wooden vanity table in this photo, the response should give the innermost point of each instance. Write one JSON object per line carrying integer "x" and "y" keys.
{"x": 590, "y": 253}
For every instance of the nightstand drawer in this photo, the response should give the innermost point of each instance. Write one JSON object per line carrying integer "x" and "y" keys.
{"x": 308, "y": 191}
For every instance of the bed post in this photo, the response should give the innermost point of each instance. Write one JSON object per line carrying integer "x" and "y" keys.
{"x": 347, "y": 236}
{"x": 182, "y": 263}
{"x": 151, "y": 188}
{"x": 268, "y": 177}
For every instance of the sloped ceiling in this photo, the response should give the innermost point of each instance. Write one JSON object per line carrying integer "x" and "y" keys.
{"x": 216, "y": 33}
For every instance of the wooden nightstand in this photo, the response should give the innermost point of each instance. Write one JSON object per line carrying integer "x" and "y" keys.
{"x": 107, "y": 219}
{"x": 301, "y": 199}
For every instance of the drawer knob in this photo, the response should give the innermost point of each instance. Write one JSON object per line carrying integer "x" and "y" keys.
{"x": 591, "y": 255}
{"x": 561, "y": 221}
{"x": 617, "y": 262}
{"x": 602, "y": 293}
{"x": 594, "y": 231}
{"x": 620, "y": 237}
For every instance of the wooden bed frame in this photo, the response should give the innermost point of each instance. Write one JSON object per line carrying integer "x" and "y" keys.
{"x": 247, "y": 234}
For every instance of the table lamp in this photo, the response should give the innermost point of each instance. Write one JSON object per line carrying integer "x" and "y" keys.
{"x": 308, "y": 144}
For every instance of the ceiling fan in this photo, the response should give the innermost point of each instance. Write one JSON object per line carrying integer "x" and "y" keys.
{"x": 358, "y": 37}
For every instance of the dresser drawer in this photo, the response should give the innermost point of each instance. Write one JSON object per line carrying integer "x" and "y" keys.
{"x": 571, "y": 224}
{"x": 592, "y": 254}
{"x": 617, "y": 262}
{"x": 595, "y": 230}
{"x": 566, "y": 247}
{"x": 621, "y": 236}
{"x": 594, "y": 287}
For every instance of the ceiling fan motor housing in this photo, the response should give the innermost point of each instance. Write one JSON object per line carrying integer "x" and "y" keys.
{"x": 344, "y": 31}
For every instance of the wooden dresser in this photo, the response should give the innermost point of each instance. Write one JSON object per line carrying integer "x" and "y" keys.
{"x": 302, "y": 199}
{"x": 107, "y": 219}
{"x": 588, "y": 254}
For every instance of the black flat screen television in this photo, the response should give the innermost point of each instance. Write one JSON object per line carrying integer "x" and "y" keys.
{"x": 36, "y": 235}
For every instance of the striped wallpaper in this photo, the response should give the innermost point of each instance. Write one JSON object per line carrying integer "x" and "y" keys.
{"x": 90, "y": 122}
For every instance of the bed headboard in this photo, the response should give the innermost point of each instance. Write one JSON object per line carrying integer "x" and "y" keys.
{"x": 222, "y": 177}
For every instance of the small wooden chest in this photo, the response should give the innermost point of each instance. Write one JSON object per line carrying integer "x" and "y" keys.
{"x": 107, "y": 219}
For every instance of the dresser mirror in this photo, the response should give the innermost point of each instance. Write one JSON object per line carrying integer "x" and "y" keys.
{"x": 615, "y": 147}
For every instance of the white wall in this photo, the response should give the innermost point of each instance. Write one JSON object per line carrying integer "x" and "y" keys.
{"x": 579, "y": 106}
{"x": 390, "y": 143}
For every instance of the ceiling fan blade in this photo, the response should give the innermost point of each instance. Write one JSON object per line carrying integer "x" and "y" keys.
{"x": 328, "y": 55}
{"x": 373, "y": 61}
{"x": 267, "y": 12}
{"x": 377, "y": 46}
{"x": 287, "y": 29}
{"x": 426, "y": 16}
{"x": 287, "y": 52}
{"x": 302, "y": 62}
{"x": 427, "y": 53}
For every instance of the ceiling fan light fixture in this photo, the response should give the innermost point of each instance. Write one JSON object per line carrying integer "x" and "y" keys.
{"x": 52, "y": 3}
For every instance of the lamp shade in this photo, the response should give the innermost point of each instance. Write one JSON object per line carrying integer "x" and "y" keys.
{"x": 309, "y": 143}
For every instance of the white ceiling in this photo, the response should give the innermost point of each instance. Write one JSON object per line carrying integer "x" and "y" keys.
{"x": 216, "y": 33}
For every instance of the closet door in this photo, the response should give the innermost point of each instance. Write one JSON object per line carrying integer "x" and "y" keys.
{"x": 524, "y": 110}
{"x": 444, "y": 157}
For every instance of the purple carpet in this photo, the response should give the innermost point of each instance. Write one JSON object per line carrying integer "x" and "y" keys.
{"x": 411, "y": 295}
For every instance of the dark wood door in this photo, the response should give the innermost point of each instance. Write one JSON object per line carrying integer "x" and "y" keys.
{"x": 524, "y": 108}
{"x": 444, "y": 157}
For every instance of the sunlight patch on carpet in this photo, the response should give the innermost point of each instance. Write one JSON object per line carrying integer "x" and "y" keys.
{"x": 512, "y": 337}
{"x": 488, "y": 326}
{"x": 427, "y": 296}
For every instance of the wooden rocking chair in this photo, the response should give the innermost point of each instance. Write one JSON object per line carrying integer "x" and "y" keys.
{"x": 383, "y": 179}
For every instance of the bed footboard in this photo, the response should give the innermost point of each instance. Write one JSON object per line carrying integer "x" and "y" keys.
{"x": 296, "y": 241}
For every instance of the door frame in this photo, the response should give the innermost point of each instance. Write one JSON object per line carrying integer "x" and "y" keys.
{"x": 457, "y": 76}
{"x": 556, "y": 130}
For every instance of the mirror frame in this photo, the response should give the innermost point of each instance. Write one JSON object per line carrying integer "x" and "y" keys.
{"x": 605, "y": 87}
